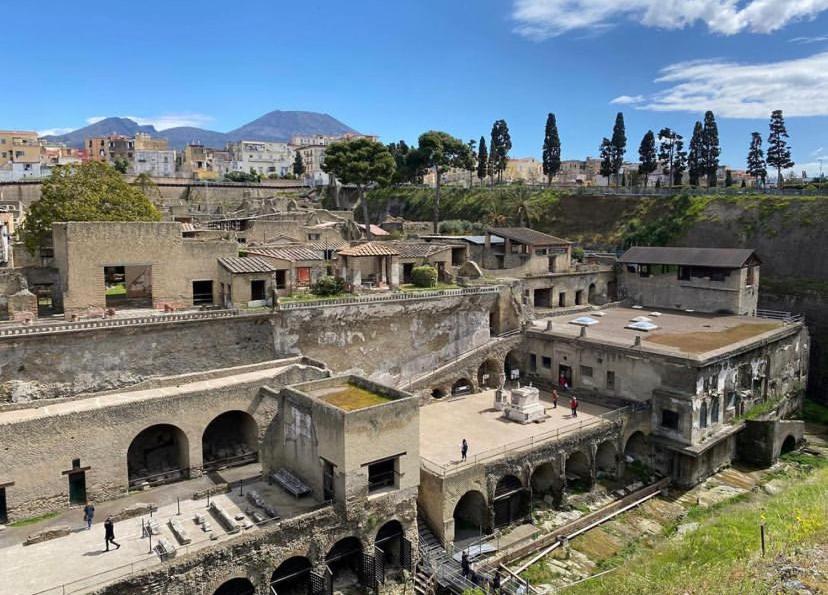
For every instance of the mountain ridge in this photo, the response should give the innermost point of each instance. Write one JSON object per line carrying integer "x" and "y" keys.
{"x": 274, "y": 126}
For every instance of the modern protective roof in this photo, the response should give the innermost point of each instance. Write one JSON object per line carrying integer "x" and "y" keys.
{"x": 246, "y": 264}
{"x": 291, "y": 253}
{"x": 369, "y": 249}
{"x": 524, "y": 235}
{"x": 724, "y": 258}
{"x": 418, "y": 249}
{"x": 476, "y": 240}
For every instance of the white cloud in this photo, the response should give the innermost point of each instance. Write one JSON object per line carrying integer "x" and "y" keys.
{"x": 541, "y": 19}
{"x": 54, "y": 131}
{"x": 164, "y": 121}
{"x": 628, "y": 99}
{"x": 806, "y": 40}
{"x": 798, "y": 87}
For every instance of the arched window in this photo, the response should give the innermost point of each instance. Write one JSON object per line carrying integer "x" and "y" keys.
{"x": 714, "y": 411}
{"x": 703, "y": 415}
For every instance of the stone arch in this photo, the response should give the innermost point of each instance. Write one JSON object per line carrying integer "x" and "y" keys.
{"x": 510, "y": 362}
{"x": 438, "y": 392}
{"x": 703, "y": 415}
{"x": 714, "y": 410}
{"x": 606, "y": 458}
{"x": 344, "y": 560}
{"x": 637, "y": 448}
{"x": 389, "y": 540}
{"x": 488, "y": 374}
{"x": 591, "y": 293}
{"x": 788, "y": 444}
{"x": 545, "y": 479}
{"x": 510, "y": 501}
{"x": 471, "y": 515}
{"x": 292, "y": 577}
{"x": 231, "y": 439}
{"x": 578, "y": 471}
{"x": 158, "y": 454}
{"x": 236, "y": 586}
{"x": 462, "y": 386}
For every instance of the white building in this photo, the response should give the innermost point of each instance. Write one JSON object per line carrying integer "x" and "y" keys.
{"x": 265, "y": 158}
{"x": 158, "y": 164}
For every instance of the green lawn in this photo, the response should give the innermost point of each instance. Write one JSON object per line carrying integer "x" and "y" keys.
{"x": 119, "y": 289}
{"x": 719, "y": 556}
{"x": 34, "y": 519}
{"x": 438, "y": 287}
{"x": 815, "y": 412}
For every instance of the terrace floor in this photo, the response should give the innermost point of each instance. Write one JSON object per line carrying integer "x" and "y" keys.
{"x": 78, "y": 562}
{"x": 444, "y": 424}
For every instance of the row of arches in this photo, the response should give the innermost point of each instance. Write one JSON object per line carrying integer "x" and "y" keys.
{"x": 343, "y": 565}
{"x": 511, "y": 499}
{"x": 489, "y": 376}
{"x": 161, "y": 453}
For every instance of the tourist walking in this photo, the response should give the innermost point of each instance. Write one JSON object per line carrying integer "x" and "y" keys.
{"x": 554, "y": 399}
{"x": 573, "y": 405}
{"x": 496, "y": 582}
{"x": 464, "y": 449}
{"x": 465, "y": 565}
{"x": 88, "y": 514}
{"x": 109, "y": 534}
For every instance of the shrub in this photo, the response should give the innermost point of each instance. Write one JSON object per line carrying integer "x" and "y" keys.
{"x": 328, "y": 286}
{"x": 578, "y": 254}
{"x": 424, "y": 276}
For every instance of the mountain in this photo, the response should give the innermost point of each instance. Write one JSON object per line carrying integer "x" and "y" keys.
{"x": 274, "y": 126}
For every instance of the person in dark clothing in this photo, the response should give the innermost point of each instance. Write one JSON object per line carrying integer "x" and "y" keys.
{"x": 464, "y": 449}
{"x": 109, "y": 533}
{"x": 573, "y": 405}
{"x": 465, "y": 565}
{"x": 554, "y": 399}
{"x": 88, "y": 514}
{"x": 496, "y": 582}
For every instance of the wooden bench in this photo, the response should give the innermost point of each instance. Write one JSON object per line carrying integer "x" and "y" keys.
{"x": 290, "y": 483}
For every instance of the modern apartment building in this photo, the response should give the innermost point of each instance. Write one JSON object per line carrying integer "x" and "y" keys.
{"x": 19, "y": 155}
{"x": 265, "y": 158}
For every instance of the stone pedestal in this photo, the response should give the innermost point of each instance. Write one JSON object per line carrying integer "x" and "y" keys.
{"x": 524, "y": 405}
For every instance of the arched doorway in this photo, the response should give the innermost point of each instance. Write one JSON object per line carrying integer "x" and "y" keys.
{"x": 511, "y": 502}
{"x": 231, "y": 439}
{"x": 389, "y": 541}
{"x": 438, "y": 392}
{"x": 578, "y": 473}
{"x": 637, "y": 449}
{"x": 157, "y": 455}
{"x": 591, "y": 293}
{"x": 546, "y": 481}
{"x": 471, "y": 516}
{"x": 788, "y": 445}
{"x": 606, "y": 459}
{"x": 345, "y": 562}
{"x": 236, "y": 586}
{"x": 488, "y": 375}
{"x": 292, "y": 577}
{"x": 462, "y": 387}
{"x": 511, "y": 365}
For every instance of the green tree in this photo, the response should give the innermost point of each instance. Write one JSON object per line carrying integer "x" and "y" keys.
{"x": 756, "y": 160}
{"x": 147, "y": 186}
{"x": 298, "y": 164}
{"x": 551, "y": 149}
{"x": 695, "y": 158}
{"x": 728, "y": 178}
{"x": 500, "y": 147}
{"x": 482, "y": 160}
{"x": 672, "y": 155}
{"x": 647, "y": 156}
{"x": 91, "y": 191}
{"x": 440, "y": 151}
{"x": 361, "y": 162}
{"x": 710, "y": 148}
{"x": 605, "y": 153}
{"x": 619, "y": 145}
{"x": 523, "y": 203}
{"x": 471, "y": 160}
{"x": 121, "y": 165}
{"x": 424, "y": 276}
{"x": 779, "y": 153}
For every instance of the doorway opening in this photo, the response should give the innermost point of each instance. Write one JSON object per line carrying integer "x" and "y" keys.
{"x": 202, "y": 293}
{"x": 564, "y": 376}
{"x": 128, "y": 286}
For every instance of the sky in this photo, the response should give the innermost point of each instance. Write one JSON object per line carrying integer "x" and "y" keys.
{"x": 397, "y": 69}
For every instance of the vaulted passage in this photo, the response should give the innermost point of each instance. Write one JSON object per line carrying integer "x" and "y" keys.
{"x": 389, "y": 541}
{"x": 511, "y": 502}
{"x": 546, "y": 481}
{"x": 578, "y": 476}
{"x": 637, "y": 448}
{"x": 345, "y": 562}
{"x": 461, "y": 387}
{"x": 606, "y": 461}
{"x": 488, "y": 375}
{"x": 229, "y": 440}
{"x": 471, "y": 516}
{"x": 292, "y": 577}
{"x": 236, "y": 586}
{"x": 159, "y": 454}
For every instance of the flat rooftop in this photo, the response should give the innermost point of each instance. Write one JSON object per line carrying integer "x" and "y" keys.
{"x": 683, "y": 334}
{"x": 349, "y": 397}
{"x": 444, "y": 424}
{"x": 78, "y": 560}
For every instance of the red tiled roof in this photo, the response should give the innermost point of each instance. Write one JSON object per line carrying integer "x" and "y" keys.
{"x": 369, "y": 249}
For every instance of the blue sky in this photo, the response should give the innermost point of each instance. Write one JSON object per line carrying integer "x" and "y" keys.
{"x": 398, "y": 68}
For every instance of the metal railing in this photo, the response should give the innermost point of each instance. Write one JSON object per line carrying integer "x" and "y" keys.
{"x": 498, "y": 452}
{"x": 786, "y": 317}
{"x": 397, "y": 296}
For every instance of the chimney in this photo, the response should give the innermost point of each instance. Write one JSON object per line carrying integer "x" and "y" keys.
{"x": 583, "y": 332}
{"x": 637, "y": 341}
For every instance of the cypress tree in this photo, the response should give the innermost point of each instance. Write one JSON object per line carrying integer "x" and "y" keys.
{"x": 551, "y": 149}
{"x": 500, "y": 147}
{"x": 605, "y": 152}
{"x": 482, "y": 160}
{"x": 779, "y": 153}
{"x": 647, "y": 156}
{"x": 711, "y": 149}
{"x": 619, "y": 145}
{"x": 695, "y": 159}
{"x": 756, "y": 160}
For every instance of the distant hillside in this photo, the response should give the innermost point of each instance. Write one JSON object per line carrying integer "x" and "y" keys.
{"x": 274, "y": 126}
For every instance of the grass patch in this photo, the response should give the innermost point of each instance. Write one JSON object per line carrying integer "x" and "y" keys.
{"x": 815, "y": 412}
{"x": 34, "y": 519}
{"x": 540, "y": 573}
{"x": 763, "y": 408}
{"x": 352, "y": 397}
{"x": 439, "y": 286}
{"x": 713, "y": 559}
{"x": 312, "y": 297}
{"x": 119, "y": 289}
{"x": 701, "y": 342}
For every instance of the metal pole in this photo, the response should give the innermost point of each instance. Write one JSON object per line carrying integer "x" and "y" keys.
{"x": 241, "y": 487}
{"x": 178, "y": 503}
{"x": 149, "y": 533}
{"x": 762, "y": 532}
{"x": 208, "y": 498}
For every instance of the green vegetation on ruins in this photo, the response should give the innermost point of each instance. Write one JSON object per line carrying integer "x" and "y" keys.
{"x": 352, "y": 397}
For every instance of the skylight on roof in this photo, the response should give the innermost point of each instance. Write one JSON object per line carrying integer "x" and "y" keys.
{"x": 584, "y": 321}
{"x": 641, "y": 319}
{"x": 642, "y": 326}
